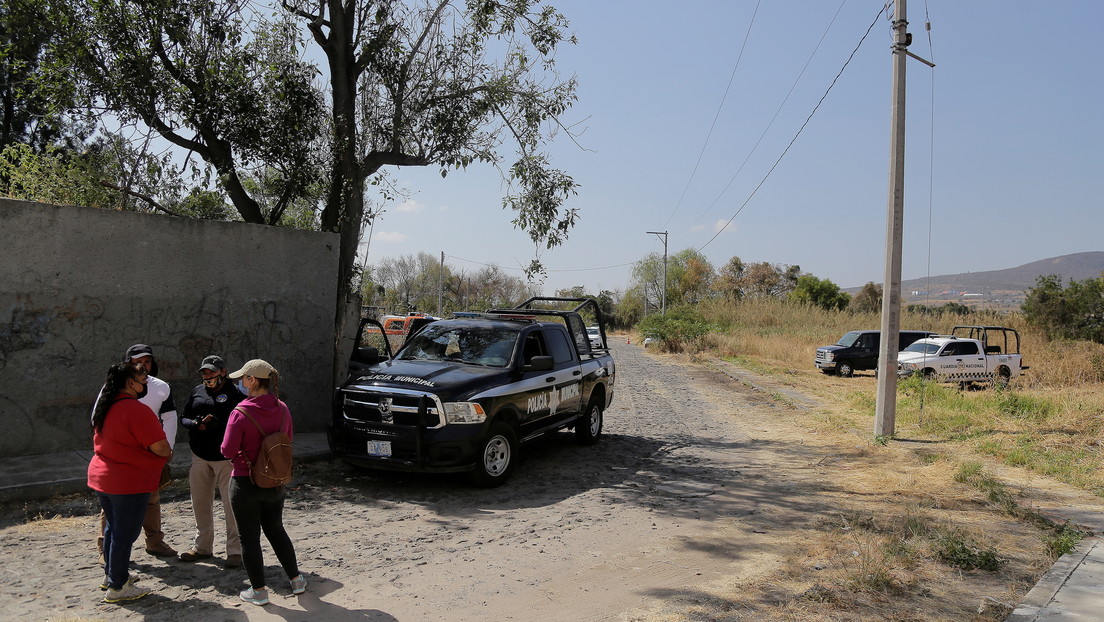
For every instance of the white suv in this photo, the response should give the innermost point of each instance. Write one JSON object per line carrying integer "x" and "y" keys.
{"x": 595, "y": 337}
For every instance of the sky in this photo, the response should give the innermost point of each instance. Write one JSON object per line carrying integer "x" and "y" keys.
{"x": 682, "y": 113}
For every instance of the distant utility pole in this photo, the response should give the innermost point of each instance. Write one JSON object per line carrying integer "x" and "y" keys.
{"x": 441, "y": 284}
{"x": 663, "y": 306}
{"x": 886, "y": 408}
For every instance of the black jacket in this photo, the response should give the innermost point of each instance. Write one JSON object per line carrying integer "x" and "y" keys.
{"x": 206, "y": 443}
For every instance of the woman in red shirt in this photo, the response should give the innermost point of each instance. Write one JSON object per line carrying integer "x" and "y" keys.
{"x": 130, "y": 450}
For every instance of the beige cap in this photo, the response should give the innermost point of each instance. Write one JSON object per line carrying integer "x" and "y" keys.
{"x": 256, "y": 368}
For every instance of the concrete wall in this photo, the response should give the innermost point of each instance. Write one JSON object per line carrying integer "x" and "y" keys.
{"x": 80, "y": 285}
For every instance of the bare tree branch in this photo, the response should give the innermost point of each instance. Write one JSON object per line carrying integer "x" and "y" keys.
{"x": 134, "y": 193}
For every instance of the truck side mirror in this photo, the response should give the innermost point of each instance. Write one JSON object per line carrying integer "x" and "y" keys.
{"x": 538, "y": 363}
{"x": 366, "y": 356}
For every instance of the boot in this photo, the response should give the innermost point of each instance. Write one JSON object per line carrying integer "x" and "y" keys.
{"x": 155, "y": 538}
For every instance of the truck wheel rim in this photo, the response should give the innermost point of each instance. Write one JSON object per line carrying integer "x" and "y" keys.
{"x": 496, "y": 457}
{"x": 595, "y": 421}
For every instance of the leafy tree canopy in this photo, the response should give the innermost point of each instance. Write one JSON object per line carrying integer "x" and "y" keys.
{"x": 868, "y": 299}
{"x": 1072, "y": 312}
{"x": 817, "y": 292}
{"x": 395, "y": 83}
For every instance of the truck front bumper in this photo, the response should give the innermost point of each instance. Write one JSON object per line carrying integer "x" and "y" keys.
{"x": 450, "y": 449}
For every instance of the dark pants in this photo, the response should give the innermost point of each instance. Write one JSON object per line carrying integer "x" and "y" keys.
{"x": 261, "y": 509}
{"x": 124, "y": 514}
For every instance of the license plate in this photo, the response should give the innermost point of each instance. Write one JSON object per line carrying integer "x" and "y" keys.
{"x": 379, "y": 448}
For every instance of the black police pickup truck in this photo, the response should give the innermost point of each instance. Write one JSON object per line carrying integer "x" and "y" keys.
{"x": 463, "y": 394}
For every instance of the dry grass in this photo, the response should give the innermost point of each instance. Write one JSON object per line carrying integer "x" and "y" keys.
{"x": 1051, "y": 421}
{"x": 788, "y": 335}
{"x": 913, "y": 538}
{"x": 56, "y": 523}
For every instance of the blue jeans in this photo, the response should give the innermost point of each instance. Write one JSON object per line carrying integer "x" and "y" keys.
{"x": 256, "y": 510}
{"x": 124, "y": 514}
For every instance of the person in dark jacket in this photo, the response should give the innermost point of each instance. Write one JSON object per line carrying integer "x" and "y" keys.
{"x": 205, "y": 414}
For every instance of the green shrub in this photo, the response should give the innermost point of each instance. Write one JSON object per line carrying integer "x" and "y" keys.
{"x": 681, "y": 329}
{"x": 958, "y": 550}
{"x": 1062, "y": 540}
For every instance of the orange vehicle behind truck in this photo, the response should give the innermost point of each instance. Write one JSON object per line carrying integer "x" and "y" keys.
{"x": 401, "y": 324}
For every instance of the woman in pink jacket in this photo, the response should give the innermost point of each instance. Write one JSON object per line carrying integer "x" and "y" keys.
{"x": 256, "y": 508}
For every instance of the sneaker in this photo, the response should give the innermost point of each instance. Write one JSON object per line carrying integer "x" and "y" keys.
{"x": 160, "y": 550}
{"x": 299, "y": 585}
{"x": 128, "y": 592}
{"x": 257, "y": 597}
{"x": 233, "y": 561}
{"x": 193, "y": 555}
{"x": 106, "y": 585}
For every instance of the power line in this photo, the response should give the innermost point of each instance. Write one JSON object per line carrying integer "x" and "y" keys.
{"x": 777, "y": 112}
{"x": 799, "y": 131}
{"x": 709, "y": 135}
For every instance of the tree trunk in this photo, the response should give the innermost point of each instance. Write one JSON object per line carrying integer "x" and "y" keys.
{"x": 344, "y": 209}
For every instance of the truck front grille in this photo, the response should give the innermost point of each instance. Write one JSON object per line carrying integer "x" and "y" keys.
{"x": 392, "y": 407}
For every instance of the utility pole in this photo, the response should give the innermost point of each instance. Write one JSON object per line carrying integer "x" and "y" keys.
{"x": 663, "y": 306}
{"x": 440, "y": 284}
{"x": 886, "y": 407}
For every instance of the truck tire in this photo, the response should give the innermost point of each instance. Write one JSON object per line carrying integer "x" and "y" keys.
{"x": 1003, "y": 377}
{"x": 496, "y": 457}
{"x": 844, "y": 369}
{"x": 588, "y": 427}
{"x": 929, "y": 374}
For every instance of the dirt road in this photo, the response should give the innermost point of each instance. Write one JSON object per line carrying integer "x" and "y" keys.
{"x": 699, "y": 486}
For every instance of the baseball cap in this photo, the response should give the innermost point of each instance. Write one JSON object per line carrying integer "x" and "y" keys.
{"x": 138, "y": 350}
{"x": 256, "y": 368}
{"x": 212, "y": 362}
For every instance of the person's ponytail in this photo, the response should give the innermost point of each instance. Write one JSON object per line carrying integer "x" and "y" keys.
{"x": 117, "y": 376}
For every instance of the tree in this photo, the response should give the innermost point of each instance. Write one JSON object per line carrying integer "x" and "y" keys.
{"x": 821, "y": 293}
{"x": 647, "y": 279}
{"x": 730, "y": 281}
{"x": 1073, "y": 312}
{"x": 692, "y": 277}
{"x": 27, "y": 29}
{"x": 408, "y": 83}
{"x": 106, "y": 173}
{"x": 765, "y": 279}
{"x": 868, "y": 299}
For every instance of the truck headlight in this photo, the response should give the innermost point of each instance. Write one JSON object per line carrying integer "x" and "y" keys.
{"x": 464, "y": 412}
{"x": 829, "y": 357}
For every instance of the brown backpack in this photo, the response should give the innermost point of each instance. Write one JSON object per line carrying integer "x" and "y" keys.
{"x": 273, "y": 466}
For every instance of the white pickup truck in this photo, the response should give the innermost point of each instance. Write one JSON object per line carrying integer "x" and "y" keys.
{"x": 968, "y": 354}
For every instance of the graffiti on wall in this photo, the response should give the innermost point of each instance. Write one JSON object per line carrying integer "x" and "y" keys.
{"x": 85, "y": 336}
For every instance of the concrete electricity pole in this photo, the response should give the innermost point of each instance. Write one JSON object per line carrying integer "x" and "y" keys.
{"x": 441, "y": 284}
{"x": 886, "y": 409}
{"x": 663, "y": 307}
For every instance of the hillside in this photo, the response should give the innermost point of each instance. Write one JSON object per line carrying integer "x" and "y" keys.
{"x": 999, "y": 289}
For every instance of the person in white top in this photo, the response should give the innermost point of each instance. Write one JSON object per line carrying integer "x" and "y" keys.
{"x": 159, "y": 399}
